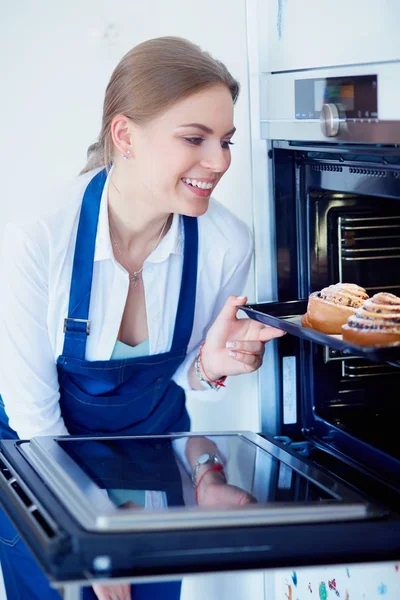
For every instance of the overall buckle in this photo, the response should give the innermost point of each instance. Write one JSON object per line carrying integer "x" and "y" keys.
{"x": 77, "y": 321}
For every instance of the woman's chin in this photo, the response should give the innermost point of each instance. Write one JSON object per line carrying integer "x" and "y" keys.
{"x": 194, "y": 209}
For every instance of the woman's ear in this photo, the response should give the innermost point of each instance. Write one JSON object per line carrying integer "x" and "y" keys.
{"x": 121, "y": 135}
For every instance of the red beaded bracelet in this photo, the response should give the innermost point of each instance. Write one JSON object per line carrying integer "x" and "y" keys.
{"x": 217, "y": 467}
{"x": 217, "y": 382}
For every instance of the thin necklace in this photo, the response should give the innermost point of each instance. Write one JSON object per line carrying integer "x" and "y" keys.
{"x": 134, "y": 276}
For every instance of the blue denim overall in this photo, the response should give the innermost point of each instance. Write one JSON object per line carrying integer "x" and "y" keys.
{"x": 131, "y": 396}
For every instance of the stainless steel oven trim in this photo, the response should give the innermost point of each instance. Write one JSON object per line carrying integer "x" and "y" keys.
{"x": 367, "y": 131}
{"x": 275, "y": 515}
{"x": 47, "y": 456}
{"x": 327, "y": 147}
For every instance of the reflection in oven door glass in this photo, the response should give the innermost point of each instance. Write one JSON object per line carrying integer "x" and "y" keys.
{"x": 156, "y": 473}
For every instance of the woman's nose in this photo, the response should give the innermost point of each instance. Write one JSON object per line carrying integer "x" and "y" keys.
{"x": 217, "y": 159}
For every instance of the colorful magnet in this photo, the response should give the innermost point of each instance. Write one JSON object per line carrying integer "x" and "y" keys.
{"x": 382, "y": 589}
{"x": 332, "y": 586}
{"x": 323, "y": 592}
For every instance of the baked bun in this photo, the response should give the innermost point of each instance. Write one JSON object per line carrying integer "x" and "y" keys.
{"x": 376, "y": 323}
{"x": 330, "y": 308}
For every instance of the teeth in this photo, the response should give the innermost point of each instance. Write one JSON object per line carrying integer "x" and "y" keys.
{"x": 200, "y": 184}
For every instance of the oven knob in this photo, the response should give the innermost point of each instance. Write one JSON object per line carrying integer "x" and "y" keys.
{"x": 330, "y": 120}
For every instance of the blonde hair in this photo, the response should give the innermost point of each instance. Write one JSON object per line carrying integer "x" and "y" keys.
{"x": 151, "y": 77}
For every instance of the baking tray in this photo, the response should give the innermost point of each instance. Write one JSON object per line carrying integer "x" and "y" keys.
{"x": 287, "y": 315}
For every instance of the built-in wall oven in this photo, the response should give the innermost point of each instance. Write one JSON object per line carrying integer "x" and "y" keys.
{"x": 334, "y": 204}
{"x": 338, "y": 220}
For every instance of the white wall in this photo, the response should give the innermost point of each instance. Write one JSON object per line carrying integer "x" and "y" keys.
{"x": 55, "y": 60}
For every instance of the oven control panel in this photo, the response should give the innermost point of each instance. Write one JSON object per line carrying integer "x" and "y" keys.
{"x": 332, "y": 99}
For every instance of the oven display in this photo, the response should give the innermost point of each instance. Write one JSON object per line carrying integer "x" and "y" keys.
{"x": 355, "y": 97}
{"x": 341, "y": 95}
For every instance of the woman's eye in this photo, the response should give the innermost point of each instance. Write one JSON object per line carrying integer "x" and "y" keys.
{"x": 196, "y": 141}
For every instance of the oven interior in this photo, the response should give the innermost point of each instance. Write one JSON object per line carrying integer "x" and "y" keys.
{"x": 338, "y": 220}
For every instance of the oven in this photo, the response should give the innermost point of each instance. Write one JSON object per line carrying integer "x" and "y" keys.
{"x": 333, "y": 144}
{"x": 338, "y": 220}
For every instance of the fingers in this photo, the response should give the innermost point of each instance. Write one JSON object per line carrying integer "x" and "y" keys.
{"x": 251, "y": 362}
{"x": 247, "y": 499}
{"x": 101, "y": 592}
{"x": 231, "y": 306}
{"x": 255, "y": 347}
{"x": 247, "y": 347}
{"x": 112, "y": 592}
{"x": 268, "y": 333}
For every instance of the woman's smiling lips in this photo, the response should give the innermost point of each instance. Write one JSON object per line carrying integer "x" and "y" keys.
{"x": 200, "y": 187}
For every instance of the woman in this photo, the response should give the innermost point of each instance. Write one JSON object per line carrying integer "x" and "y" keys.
{"x": 126, "y": 296}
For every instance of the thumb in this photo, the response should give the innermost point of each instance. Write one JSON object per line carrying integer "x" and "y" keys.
{"x": 231, "y": 307}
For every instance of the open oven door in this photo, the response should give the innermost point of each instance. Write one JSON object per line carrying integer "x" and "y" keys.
{"x": 124, "y": 507}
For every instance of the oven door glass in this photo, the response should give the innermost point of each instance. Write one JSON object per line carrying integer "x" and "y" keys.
{"x": 120, "y": 484}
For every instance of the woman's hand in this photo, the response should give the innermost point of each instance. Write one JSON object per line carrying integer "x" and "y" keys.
{"x": 224, "y": 495}
{"x": 234, "y": 346}
{"x": 214, "y": 491}
{"x": 120, "y": 591}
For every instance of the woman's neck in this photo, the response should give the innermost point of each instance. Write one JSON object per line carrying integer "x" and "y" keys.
{"x": 132, "y": 220}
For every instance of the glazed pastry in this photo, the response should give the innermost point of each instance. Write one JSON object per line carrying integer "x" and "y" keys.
{"x": 330, "y": 308}
{"x": 376, "y": 323}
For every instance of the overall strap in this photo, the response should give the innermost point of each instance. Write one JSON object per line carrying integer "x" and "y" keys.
{"x": 187, "y": 296}
{"x": 76, "y": 325}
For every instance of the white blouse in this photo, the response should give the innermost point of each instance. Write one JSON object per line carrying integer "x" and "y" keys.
{"x": 36, "y": 267}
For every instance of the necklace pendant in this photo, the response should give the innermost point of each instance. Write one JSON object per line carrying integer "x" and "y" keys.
{"x": 135, "y": 278}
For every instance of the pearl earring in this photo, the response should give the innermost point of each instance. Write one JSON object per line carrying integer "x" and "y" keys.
{"x": 126, "y": 155}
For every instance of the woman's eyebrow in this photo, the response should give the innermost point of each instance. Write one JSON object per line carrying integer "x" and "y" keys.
{"x": 207, "y": 129}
